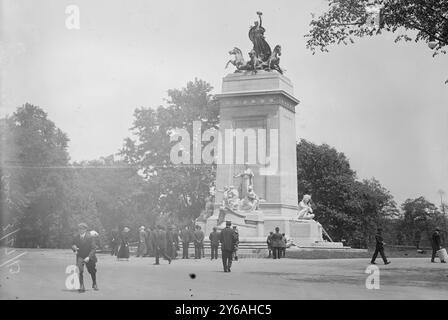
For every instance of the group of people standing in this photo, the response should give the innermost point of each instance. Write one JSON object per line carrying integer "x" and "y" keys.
{"x": 164, "y": 242}
{"x": 196, "y": 236}
{"x": 187, "y": 236}
{"x": 152, "y": 242}
{"x": 276, "y": 244}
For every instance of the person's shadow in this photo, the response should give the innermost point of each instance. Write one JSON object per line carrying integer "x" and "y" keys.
{"x": 72, "y": 290}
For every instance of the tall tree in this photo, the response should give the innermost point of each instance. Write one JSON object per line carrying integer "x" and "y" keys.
{"x": 34, "y": 155}
{"x": 347, "y": 208}
{"x": 419, "y": 218}
{"x": 181, "y": 189}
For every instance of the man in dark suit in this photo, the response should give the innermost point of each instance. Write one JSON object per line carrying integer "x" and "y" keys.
{"x": 170, "y": 242}
{"x": 185, "y": 237}
{"x": 160, "y": 244}
{"x": 228, "y": 240}
{"x": 214, "y": 243}
{"x": 379, "y": 247}
{"x": 84, "y": 246}
{"x": 277, "y": 243}
{"x": 198, "y": 241}
{"x": 436, "y": 244}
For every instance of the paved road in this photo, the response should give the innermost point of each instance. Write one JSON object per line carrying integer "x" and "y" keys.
{"x": 42, "y": 276}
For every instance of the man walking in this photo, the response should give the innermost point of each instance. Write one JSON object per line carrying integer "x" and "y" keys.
{"x": 84, "y": 246}
{"x": 185, "y": 237}
{"x": 436, "y": 245}
{"x": 379, "y": 247}
{"x": 170, "y": 248}
{"x": 277, "y": 243}
{"x": 228, "y": 239}
{"x": 160, "y": 244}
{"x": 198, "y": 241}
{"x": 214, "y": 243}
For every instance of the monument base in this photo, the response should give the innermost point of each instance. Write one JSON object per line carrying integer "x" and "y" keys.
{"x": 254, "y": 227}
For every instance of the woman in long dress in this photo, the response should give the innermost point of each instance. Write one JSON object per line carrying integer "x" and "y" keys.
{"x": 123, "y": 250}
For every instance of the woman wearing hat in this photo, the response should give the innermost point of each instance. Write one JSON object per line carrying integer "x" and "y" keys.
{"x": 123, "y": 250}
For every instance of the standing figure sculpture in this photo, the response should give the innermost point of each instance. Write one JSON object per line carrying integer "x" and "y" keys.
{"x": 256, "y": 35}
{"x": 305, "y": 210}
{"x": 247, "y": 179}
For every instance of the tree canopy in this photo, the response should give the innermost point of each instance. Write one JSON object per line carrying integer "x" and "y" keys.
{"x": 34, "y": 155}
{"x": 418, "y": 20}
{"x": 181, "y": 189}
{"x": 347, "y": 208}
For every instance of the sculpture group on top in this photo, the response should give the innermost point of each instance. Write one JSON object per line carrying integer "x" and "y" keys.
{"x": 261, "y": 57}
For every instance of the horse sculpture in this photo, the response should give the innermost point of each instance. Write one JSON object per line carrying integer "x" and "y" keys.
{"x": 239, "y": 60}
{"x": 255, "y": 63}
{"x": 274, "y": 60}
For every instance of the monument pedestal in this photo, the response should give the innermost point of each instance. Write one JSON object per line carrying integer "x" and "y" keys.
{"x": 257, "y": 129}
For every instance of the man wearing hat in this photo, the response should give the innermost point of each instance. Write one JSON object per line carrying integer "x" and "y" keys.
{"x": 277, "y": 243}
{"x": 214, "y": 243}
{"x": 198, "y": 241}
{"x": 186, "y": 238}
{"x": 436, "y": 244}
{"x": 228, "y": 241}
{"x": 160, "y": 244}
{"x": 84, "y": 246}
{"x": 379, "y": 247}
{"x": 170, "y": 245}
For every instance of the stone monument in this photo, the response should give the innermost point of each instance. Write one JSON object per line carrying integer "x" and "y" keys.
{"x": 256, "y": 179}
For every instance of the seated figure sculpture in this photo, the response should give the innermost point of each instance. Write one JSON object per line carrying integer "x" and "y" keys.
{"x": 305, "y": 210}
{"x": 251, "y": 201}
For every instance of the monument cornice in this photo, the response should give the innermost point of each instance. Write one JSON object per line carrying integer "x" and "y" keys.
{"x": 258, "y": 98}
{"x": 266, "y": 205}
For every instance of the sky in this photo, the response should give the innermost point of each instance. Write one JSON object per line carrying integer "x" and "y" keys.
{"x": 383, "y": 104}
